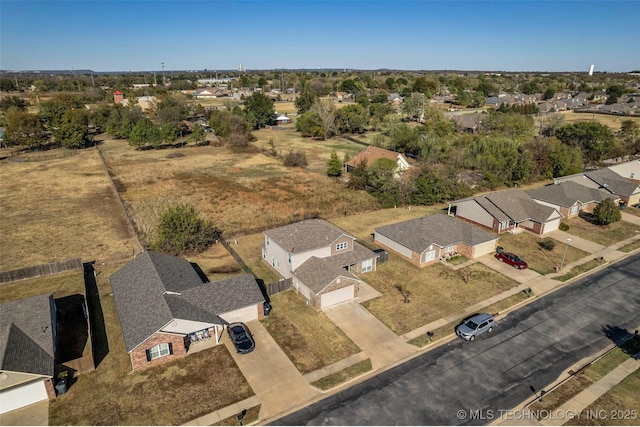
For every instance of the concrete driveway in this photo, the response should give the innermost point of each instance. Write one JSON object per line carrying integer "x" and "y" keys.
{"x": 520, "y": 276}
{"x": 271, "y": 375}
{"x": 383, "y": 346}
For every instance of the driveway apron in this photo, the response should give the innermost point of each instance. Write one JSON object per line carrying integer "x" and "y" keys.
{"x": 271, "y": 375}
{"x": 383, "y": 346}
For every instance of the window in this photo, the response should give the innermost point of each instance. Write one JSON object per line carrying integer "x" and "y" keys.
{"x": 274, "y": 262}
{"x": 448, "y": 249}
{"x": 632, "y": 175}
{"x": 289, "y": 258}
{"x": 341, "y": 246}
{"x": 267, "y": 240}
{"x": 428, "y": 256}
{"x": 367, "y": 265}
{"x": 159, "y": 350}
{"x": 574, "y": 209}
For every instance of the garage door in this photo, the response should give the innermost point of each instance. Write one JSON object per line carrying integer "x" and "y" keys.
{"x": 336, "y": 297}
{"x": 550, "y": 226}
{"x": 484, "y": 249}
{"x": 242, "y": 315}
{"x": 20, "y": 396}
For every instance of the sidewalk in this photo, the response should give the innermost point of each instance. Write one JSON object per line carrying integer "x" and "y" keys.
{"x": 385, "y": 349}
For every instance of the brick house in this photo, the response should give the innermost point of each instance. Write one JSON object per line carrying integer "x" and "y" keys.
{"x": 570, "y": 198}
{"x": 164, "y": 305}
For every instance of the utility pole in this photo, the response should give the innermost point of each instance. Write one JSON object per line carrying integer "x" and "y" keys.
{"x": 164, "y": 82}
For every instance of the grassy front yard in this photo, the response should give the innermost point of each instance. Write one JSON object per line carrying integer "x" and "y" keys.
{"x": 527, "y": 246}
{"x": 308, "y": 338}
{"x": 435, "y": 291}
{"x": 605, "y": 235}
{"x": 170, "y": 394}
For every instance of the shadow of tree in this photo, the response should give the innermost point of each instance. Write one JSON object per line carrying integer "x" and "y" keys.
{"x": 629, "y": 342}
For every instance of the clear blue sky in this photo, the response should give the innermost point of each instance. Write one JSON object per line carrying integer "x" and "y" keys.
{"x": 417, "y": 35}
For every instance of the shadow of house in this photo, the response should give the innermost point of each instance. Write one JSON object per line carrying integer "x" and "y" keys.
{"x": 97, "y": 329}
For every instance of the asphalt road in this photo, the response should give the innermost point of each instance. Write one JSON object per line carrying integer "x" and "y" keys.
{"x": 528, "y": 350}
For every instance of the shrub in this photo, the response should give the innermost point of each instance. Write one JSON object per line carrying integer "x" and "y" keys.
{"x": 548, "y": 244}
{"x": 181, "y": 231}
{"x": 295, "y": 159}
{"x": 607, "y": 212}
{"x": 564, "y": 226}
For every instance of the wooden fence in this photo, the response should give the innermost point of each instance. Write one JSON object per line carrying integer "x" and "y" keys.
{"x": 40, "y": 270}
{"x": 279, "y": 286}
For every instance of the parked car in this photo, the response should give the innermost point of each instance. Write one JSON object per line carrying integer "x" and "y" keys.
{"x": 511, "y": 259}
{"x": 476, "y": 325}
{"x": 241, "y": 337}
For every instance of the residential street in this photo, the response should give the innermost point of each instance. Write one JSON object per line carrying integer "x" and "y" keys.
{"x": 530, "y": 348}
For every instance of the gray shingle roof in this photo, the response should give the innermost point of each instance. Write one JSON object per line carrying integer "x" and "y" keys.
{"x": 154, "y": 289}
{"x": 358, "y": 254}
{"x": 515, "y": 205}
{"x": 26, "y": 335}
{"x": 613, "y": 182}
{"x": 305, "y": 235}
{"x": 318, "y": 273}
{"x": 567, "y": 193}
{"x": 418, "y": 234}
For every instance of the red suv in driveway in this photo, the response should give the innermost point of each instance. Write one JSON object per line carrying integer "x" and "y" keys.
{"x": 511, "y": 259}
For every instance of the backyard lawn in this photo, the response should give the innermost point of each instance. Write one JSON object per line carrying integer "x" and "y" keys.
{"x": 309, "y": 338}
{"x": 434, "y": 291}
{"x": 605, "y": 235}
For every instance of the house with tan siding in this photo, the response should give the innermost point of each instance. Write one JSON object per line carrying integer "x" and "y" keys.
{"x": 570, "y": 198}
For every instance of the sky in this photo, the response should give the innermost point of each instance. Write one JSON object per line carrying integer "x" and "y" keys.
{"x": 502, "y": 35}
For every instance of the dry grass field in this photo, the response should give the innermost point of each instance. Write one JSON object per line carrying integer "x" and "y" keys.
{"x": 614, "y": 122}
{"x": 238, "y": 192}
{"x": 58, "y": 209}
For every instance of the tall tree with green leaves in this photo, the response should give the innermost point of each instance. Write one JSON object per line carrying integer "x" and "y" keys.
{"x": 73, "y": 130}
{"x": 607, "y": 212}
{"x": 145, "y": 134}
{"x": 24, "y": 129}
{"x": 334, "y": 165}
{"x": 260, "y": 108}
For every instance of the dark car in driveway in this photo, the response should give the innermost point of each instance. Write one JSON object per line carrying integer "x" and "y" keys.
{"x": 241, "y": 337}
{"x": 512, "y": 259}
{"x": 475, "y": 325}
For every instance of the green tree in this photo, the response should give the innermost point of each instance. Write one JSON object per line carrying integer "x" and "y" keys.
{"x": 613, "y": 93}
{"x": 607, "y": 212}
{"x": 168, "y": 133}
{"x": 181, "y": 230}
{"x": 548, "y": 94}
{"x": 259, "y": 107}
{"x": 630, "y": 136}
{"x": 326, "y": 112}
{"x": 353, "y": 118}
{"x": 145, "y": 134}
{"x": 73, "y": 130}
{"x": 359, "y": 176}
{"x": 513, "y": 125}
{"x": 334, "y": 165}
{"x": 309, "y": 125}
{"x": 594, "y": 139}
{"x": 304, "y": 102}
{"x": 197, "y": 135}
{"x": 24, "y": 129}
{"x": 424, "y": 86}
{"x": 13, "y": 101}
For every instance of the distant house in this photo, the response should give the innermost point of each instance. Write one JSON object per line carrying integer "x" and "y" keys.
{"x": 507, "y": 211}
{"x": 164, "y": 306}
{"x": 468, "y": 122}
{"x": 209, "y": 93}
{"x": 371, "y": 154}
{"x": 312, "y": 253}
{"x": 424, "y": 241}
{"x": 629, "y": 170}
{"x": 283, "y": 120}
{"x": 570, "y": 198}
{"x": 395, "y": 99}
{"x": 27, "y": 352}
{"x": 609, "y": 181}
{"x": 118, "y": 97}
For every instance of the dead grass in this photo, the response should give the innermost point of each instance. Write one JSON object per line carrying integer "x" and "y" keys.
{"x": 217, "y": 263}
{"x": 60, "y": 285}
{"x": 542, "y": 261}
{"x": 112, "y": 395}
{"x": 579, "y": 269}
{"x": 344, "y": 375}
{"x": 614, "y": 122}
{"x": 632, "y": 211}
{"x": 435, "y": 291}
{"x": 250, "y": 251}
{"x": 630, "y": 247}
{"x": 60, "y": 209}
{"x": 605, "y": 235}
{"x": 309, "y": 338}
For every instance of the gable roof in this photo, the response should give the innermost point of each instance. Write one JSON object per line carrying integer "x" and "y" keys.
{"x": 154, "y": 289}
{"x": 26, "y": 335}
{"x": 305, "y": 235}
{"x": 441, "y": 230}
{"x": 515, "y": 205}
{"x": 567, "y": 193}
{"x": 371, "y": 154}
{"x": 612, "y": 182}
{"x": 318, "y": 273}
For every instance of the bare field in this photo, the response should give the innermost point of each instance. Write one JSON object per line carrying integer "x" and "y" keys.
{"x": 239, "y": 192}
{"x": 58, "y": 209}
{"x": 614, "y": 122}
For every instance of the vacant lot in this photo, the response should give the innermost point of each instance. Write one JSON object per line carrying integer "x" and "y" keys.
{"x": 308, "y": 337}
{"x": 59, "y": 209}
{"x": 239, "y": 192}
{"x": 614, "y": 122}
{"x": 113, "y": 395}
